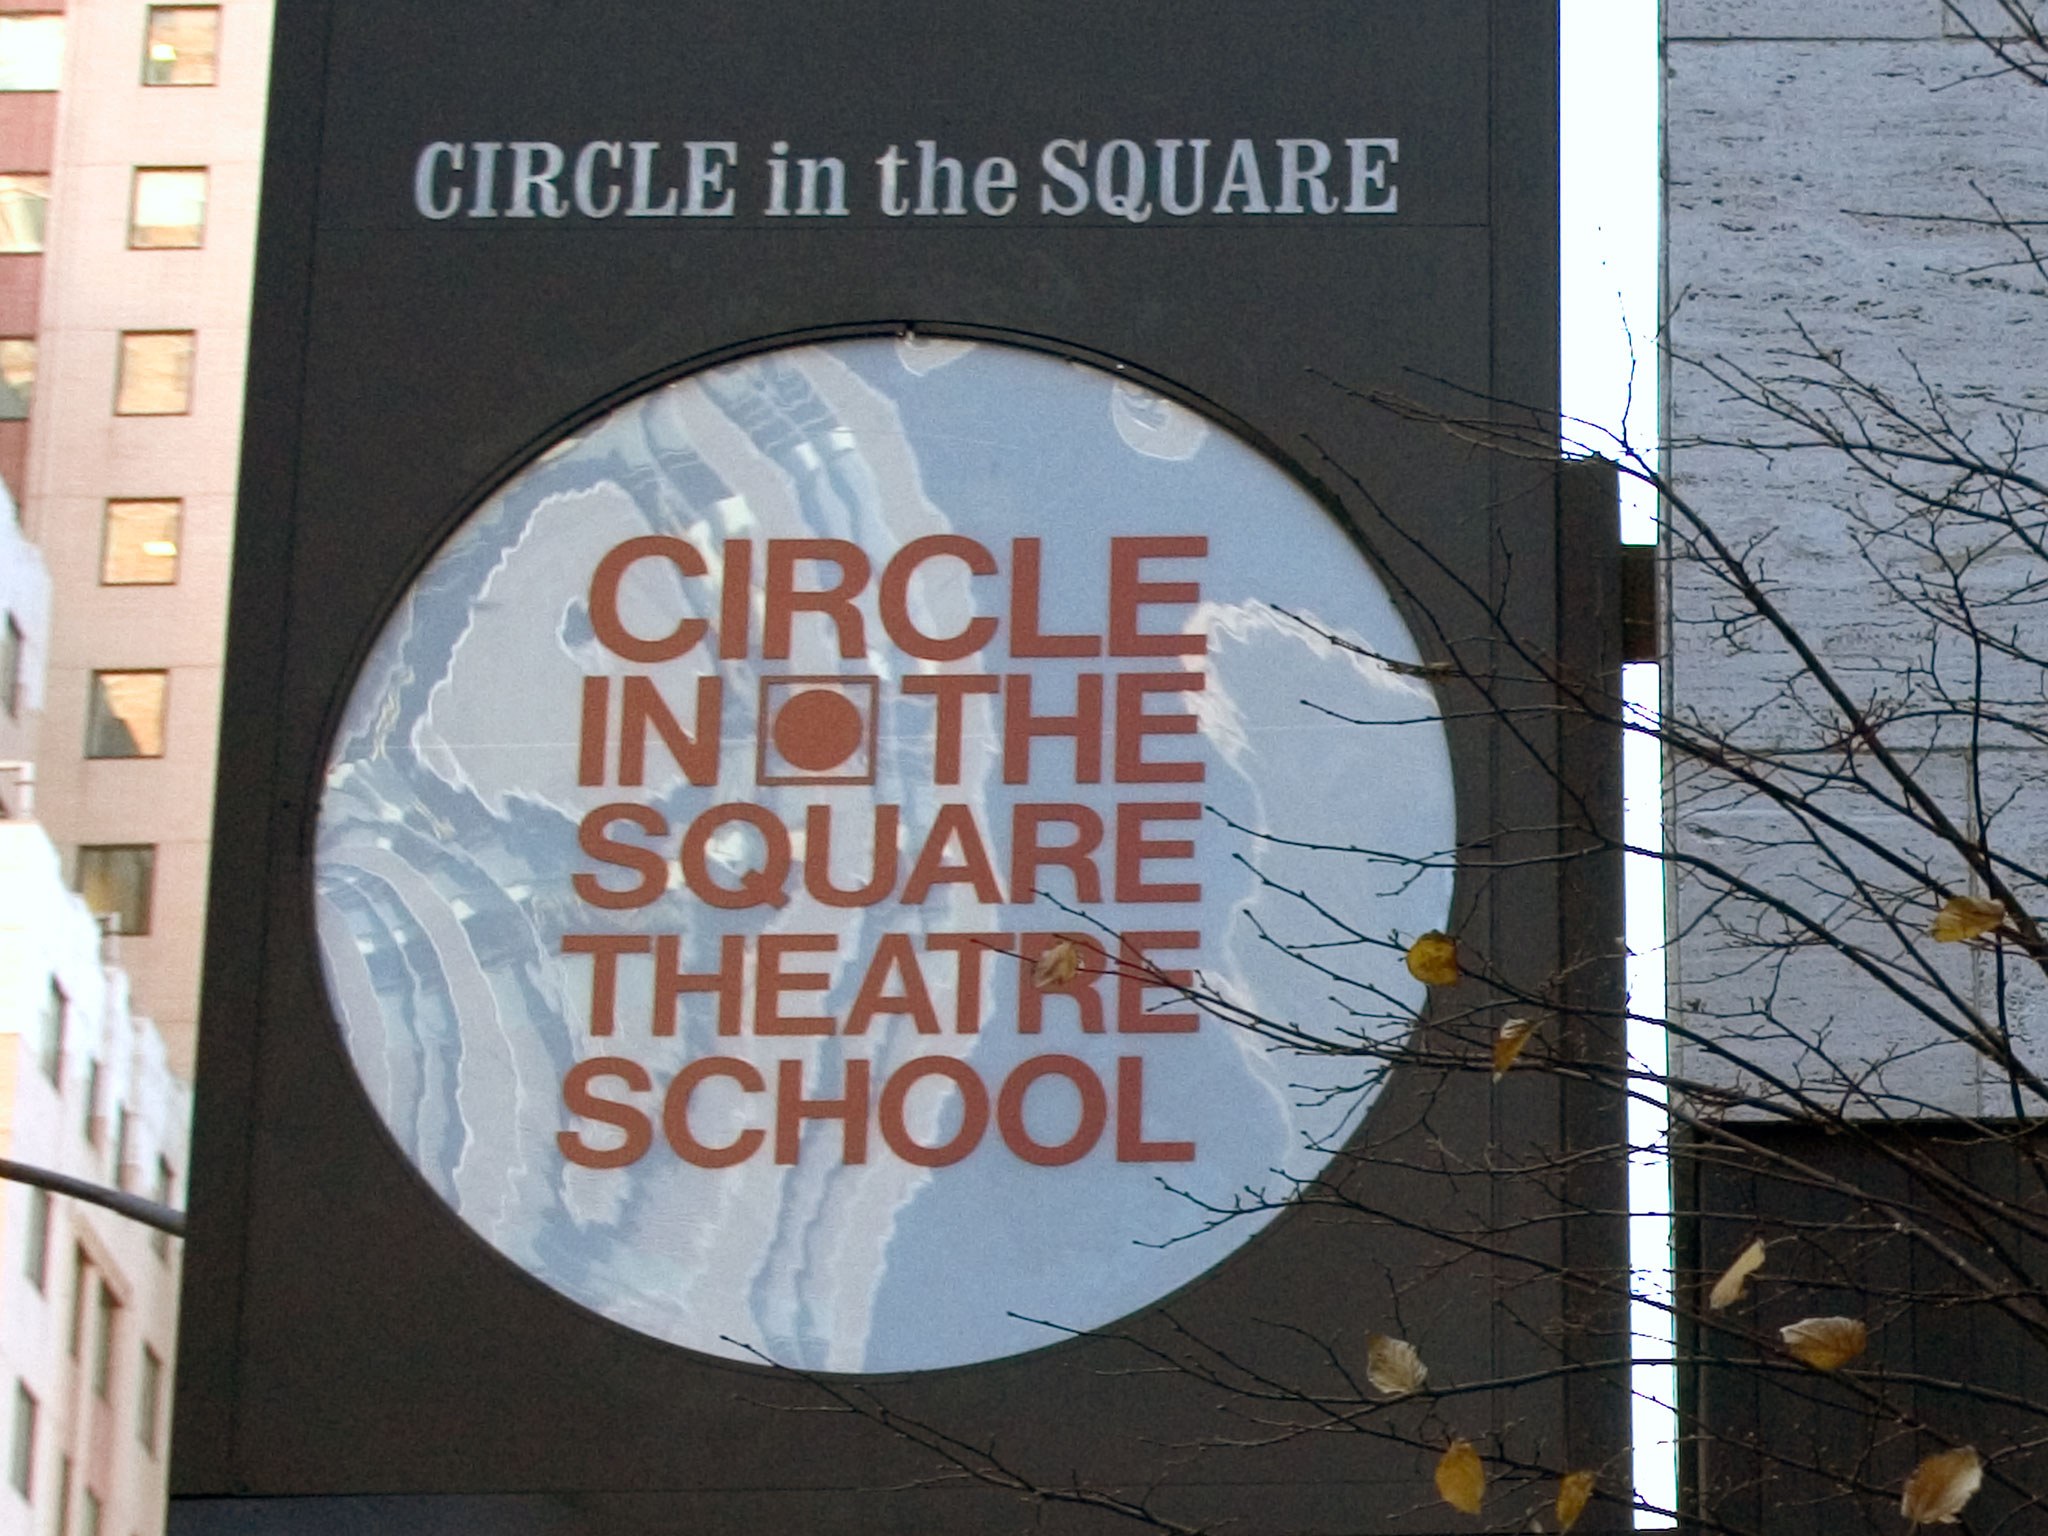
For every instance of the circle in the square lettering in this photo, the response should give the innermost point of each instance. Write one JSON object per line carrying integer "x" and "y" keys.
{"x": 986, "y": 888}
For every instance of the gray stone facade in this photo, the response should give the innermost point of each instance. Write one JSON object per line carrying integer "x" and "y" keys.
{"x": 1835, "y": 170}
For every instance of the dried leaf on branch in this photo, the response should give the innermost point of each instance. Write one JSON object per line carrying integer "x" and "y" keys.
{"x": 1433, "y": 959}
{"x": 1393, "y": 1366}
{"x": 1574, "y": 1493}
{"x": 1963, "y": 918}
{"x": 1941, "y": 1485}
{"x": 1461, "y": 1479}
{"x": 1508, "y": 1043}
{"x": 1056, "y": 966}
{"x": 1735, "y": 1278}
{"x": 1825, "y": 1343}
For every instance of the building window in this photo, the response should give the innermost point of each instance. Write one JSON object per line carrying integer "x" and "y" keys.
{"x": 89, "y": 1521}
{"x": 89, "y": 1127}
{"x": 168, "y": 208}
{"x": 105, "y": 1317}
{"x": 125, "y": 717}
{"x": 62, "y": 1524}
{"x": 56, "y": 1014}
{"x": 116, "y": 879}
{"x": 10, "y": 667}
{"x": 140, "y": 548}
{"x": 32, "y": 51}
{"x": 184, "y": 45}
{"x": 36, "y": 1259}
{"x": 149, "y": 1399}
{"x": 160, "y": 1240}
{"x": 121, "y": 1124}
{"x": 156, "y": 374}
{"x": 21, "y": 1465}
{"x": 24, "y": 210}
{"x": 17, "y": 377}
{"x": 81, "y": 1280}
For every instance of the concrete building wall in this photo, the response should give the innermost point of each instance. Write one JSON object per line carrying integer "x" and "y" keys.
{"x": 82, "y": 454}
{"x": 89, "y": 1299}
{"x": 79, "y": 1286}
{"x": 1813, "y": 150}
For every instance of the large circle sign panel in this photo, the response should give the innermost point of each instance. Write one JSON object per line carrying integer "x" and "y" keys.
{"x": 801, "y": 870}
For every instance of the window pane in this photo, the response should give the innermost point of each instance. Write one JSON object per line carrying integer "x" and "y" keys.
{"x": 50, "y": 1048}
{"x": 169, "y": 209}
{"x": 160, "y": 1240}
{"x": 184, "y": 45}
{"x": 81, "y": 1273}
{"x": 89, "y": 1128}
{"x": 21, "y": 1465}
{"x": 103, "y": 1345}
{"x": 24, "y": 209}
{"x": 125, "y": 717}
{"x": 147, "y": 1399}
{"x": 10, "y": 666}
{"x": 156, "y": 374}
{"x": 141, "y": 547}
{"x": 89, "y": 1517}
{"x": 31, "y": 52}
{"x": 36, "y": 1258}
{"x": 115, "y": 881}
{"x": 17, "y": 377}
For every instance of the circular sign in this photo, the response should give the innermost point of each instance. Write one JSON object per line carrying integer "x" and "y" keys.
{"x": 802, "y": 869}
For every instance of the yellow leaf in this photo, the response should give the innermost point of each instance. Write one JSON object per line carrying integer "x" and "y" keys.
{"x": 1393, "y": 1366}
{"x": 1574, "y": 1492}
{"x": 1433, "y": 958}
{"x": 1057, "y": 966}
{"x": 1728, "y": 1289}
{"x": 1963, "y": 918}
{"x": 1507, "y": 1045}
{"x": 1941, "y": 1485}
{"x": 1826, "y": 1343}
{"x": 1460, "y": 1479}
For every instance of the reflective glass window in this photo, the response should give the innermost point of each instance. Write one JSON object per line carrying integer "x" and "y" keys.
{"x": 183, "y": 46}
{"x": 156, "y": 374}
{"x": 125, "y": 717}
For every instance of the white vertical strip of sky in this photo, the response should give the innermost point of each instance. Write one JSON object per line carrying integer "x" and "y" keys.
{"x": 1611, "y": 193}
{"x": 1611, "y": 197}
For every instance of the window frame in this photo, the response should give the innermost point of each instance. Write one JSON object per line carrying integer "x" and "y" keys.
{"x": 28, "y": 401}
{"x": 149, "y": 1400}
{"x": 21, "y": 1444}
{"x": 36, "y": 1242}
{"x": 94, "y": 706}
{"x": 166, "y": 1181}
{"x": 198, "y": 240}
{"x": 177, "y": 540}
{"x": 148, "y": 894}
{"x": 21, "y": 1456}
{"x": 42, "y": 235}
{"x": 148, "y": 30}
{"x": 81, "y": 1278}
{"x": 63, "y": 39}
{"x": 191, "y": 370}
{"x": 13, "y": 641}
{"x": 50, "y": 1051}
{"x": 106, "y": 1319}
